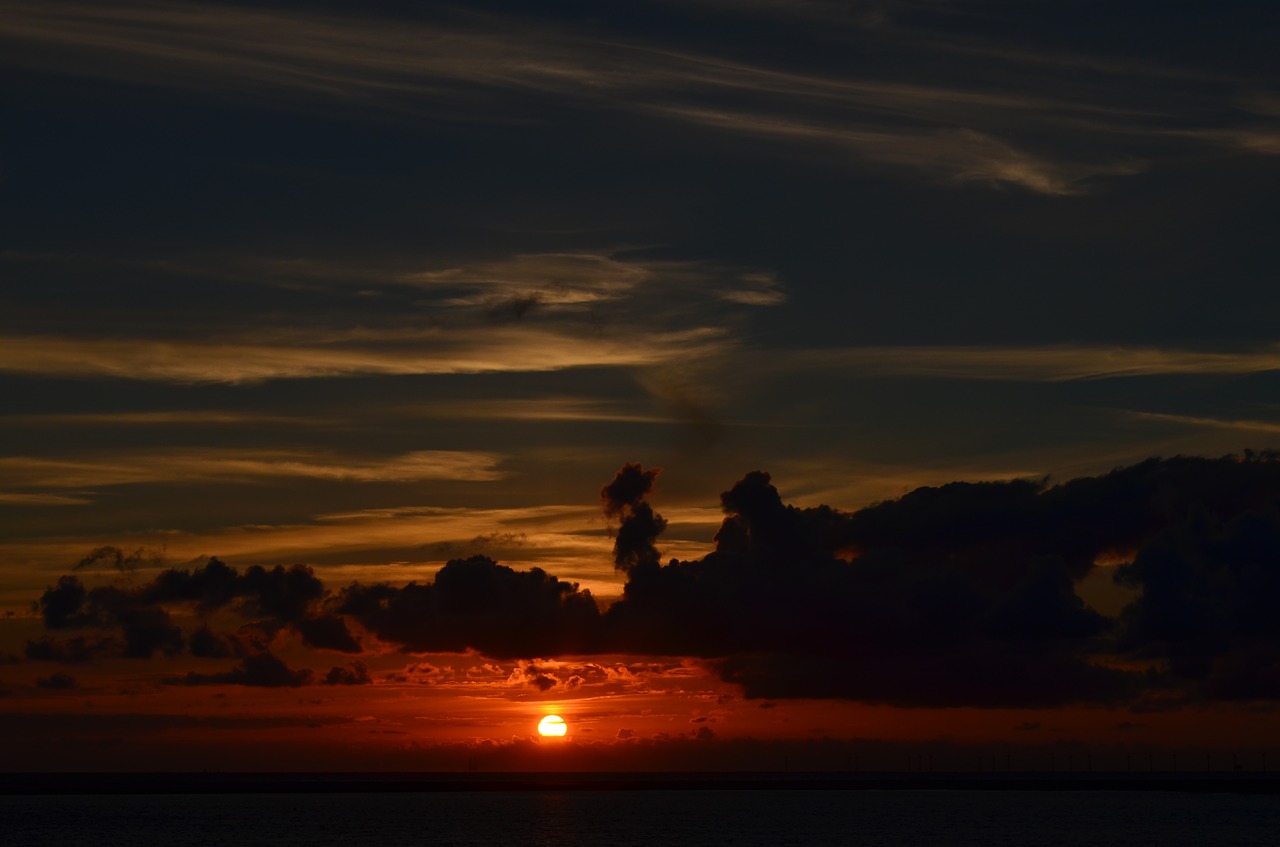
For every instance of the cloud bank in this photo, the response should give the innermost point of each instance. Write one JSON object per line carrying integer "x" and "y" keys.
{"x": 959, "y": 595}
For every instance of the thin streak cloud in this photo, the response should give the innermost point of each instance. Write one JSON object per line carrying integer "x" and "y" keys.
{"x": 956, "y": 155}
{"x": 495, "y": 350}
{"x": 1265, "y": 427}
{"x": 1035, "y": 364}
{"x": 24, "y": 499}
{"x": 248, "y": 466}
{"x": 973, "y": 135}
{"x": 163, "y": 418}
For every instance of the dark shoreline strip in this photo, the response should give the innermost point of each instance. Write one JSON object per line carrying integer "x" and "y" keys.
{"x": 356, "y": 783}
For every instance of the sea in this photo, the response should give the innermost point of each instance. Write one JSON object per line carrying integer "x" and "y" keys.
{"x": 735, "y": 817}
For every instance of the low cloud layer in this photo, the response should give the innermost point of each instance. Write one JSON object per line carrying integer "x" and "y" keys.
{"x": 960, "y": 595}
{"x": 138, "y": 617}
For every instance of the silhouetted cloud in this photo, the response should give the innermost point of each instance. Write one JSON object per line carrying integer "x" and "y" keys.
{"x": 116, "y": 558}
{"x": 144, "y": 628}
{"x": 262, "y": 670}
{"x": 963, "y": 594}
{"x": 354, "y": 673}
{"x": 1210, "y": 590}
{"x": 276, "y": 597}
{"x": 328, "y": 632}
{"x": 476, "y": 603}
{"x": 207, "y": 644}
{"x": 72, "y": 650}
{"x": 624, "y": 498}
{"x": 58, "y": 681}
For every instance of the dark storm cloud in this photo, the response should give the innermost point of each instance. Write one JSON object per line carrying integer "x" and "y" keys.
{"x": 478, "y": 604}
{"x": 262, "y": 670}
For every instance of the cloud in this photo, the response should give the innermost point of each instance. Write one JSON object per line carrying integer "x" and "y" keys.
{"x": 280, "y": 594}
{"x": 624, "y": 498}
{"x": 212, "y": 465}
{"x": 791, "y": 619}
{"x": 548, "y": 280}
{"x": 72, "y": 651}
{"x": 210, "y": 417}
{"x": 1060, "y": 363}
{"x": 207, "y": 644}
{"x": 477, "y": 604}
{"x": 499, "y": 349}
{"x": 549, "y": 408}
{"x": 274, "y": 598}
{"x": 57, "y": 682}
{"x": 114, "y": 557}
{"x": 1265, "y": 427}
{"x": 952, "y": 155}
{"x": 328, "y": 632}
{"x": 533, "y": 675}
{"x": 354, "y": 673}
{"x": 11, "y": 498}
{"x": 964, "y": 594}
{"x": 904, "y": 111}
{"x": 262, "y": 670}
{"x": 144, "y": 628}
{"x": 957, "y": 595}
{"x": 756, "y": 289}
{"x": 1210, "y": 587}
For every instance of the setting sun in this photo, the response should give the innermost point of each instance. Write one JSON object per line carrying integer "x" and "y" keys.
{"x": 552, "y": 725}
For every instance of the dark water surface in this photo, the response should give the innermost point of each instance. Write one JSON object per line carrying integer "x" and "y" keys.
{"x": 623, "y": 818}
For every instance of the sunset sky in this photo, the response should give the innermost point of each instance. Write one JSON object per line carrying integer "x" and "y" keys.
{"x": 911, "y": 365}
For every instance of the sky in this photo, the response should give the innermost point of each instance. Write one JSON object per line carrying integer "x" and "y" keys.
{"x": 754, "y": 384}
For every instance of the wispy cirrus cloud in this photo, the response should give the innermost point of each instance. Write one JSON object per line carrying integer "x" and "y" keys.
{"x": 1049, "y": 363}
{"x": 556, "y": 279}
{"x": 996, "y": 129}
{"x": 10, "y": 498}
{"x": 534, "y": 409}
{"x": 564, "y": 281}
{"x": 296, "y": 355}
{"x": 955, "y": 155}
{"x": 1234, "y": 424}
{"x": 162, "y": 418}
{"x": 228, "y": 464}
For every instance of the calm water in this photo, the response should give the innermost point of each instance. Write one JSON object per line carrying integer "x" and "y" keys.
{"x": 622, "y": 818}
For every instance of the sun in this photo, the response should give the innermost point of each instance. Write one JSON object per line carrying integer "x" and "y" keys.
{"x": 553, "y": 725}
